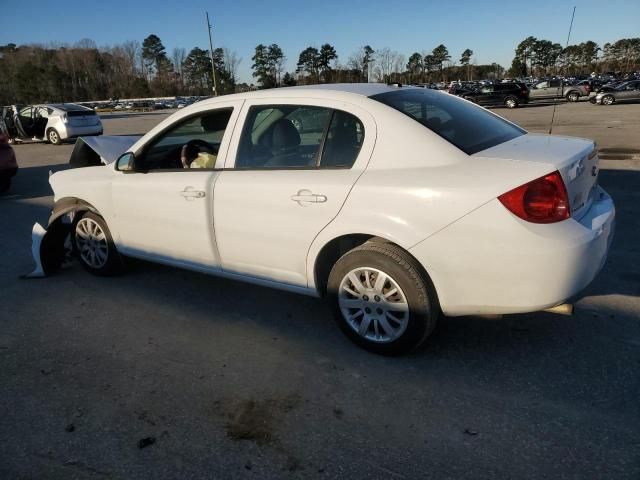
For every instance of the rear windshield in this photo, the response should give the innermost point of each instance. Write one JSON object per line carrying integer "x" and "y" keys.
{"x": 467, "y": 126}
{"x": 80, "y": 113}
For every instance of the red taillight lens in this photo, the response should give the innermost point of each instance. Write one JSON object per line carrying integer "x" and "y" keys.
{"x": 543, "y": 200}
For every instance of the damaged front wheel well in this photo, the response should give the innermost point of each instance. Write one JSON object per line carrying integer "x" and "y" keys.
{"x": 68, "y": 205}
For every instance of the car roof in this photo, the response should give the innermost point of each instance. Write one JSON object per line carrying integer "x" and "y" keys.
{"x": 333, "y": 90}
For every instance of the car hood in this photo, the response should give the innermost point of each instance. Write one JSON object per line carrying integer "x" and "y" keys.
{"x": 101, "y": 150}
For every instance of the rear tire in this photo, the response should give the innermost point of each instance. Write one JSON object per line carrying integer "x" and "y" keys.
{"x": 381, "y": 299}
{"x": 5, "y": 184}
{"x": 53, "y": 136}
{"x": 93, "y": 245}
{"x": 511, "y": 102}
{"x": 573, "y": 97}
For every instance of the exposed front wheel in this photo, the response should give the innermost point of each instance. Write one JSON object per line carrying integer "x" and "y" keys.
{"x": 53, "y": 136}
{"x": 94, "y": 247}
{"x": 608, "y": 100}
{"x": 381, "y": 299}
{"x": 511, "y": 102}
{"x": 573, "y": 96}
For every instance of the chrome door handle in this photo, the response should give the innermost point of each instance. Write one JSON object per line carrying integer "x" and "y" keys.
{"x": 190, "y": 193}
{"x": 306, "y": 196}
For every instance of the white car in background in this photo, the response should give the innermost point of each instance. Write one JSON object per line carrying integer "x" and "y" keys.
{"x": 396, "y": 203}
{"x": 53, "y": 122}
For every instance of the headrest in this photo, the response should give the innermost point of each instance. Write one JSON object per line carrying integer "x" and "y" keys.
{"x": 284, "y": 134}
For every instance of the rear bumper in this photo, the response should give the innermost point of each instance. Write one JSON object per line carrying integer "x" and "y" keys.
{"x": 491, "y": 262}
{"x": 73, "y": 132}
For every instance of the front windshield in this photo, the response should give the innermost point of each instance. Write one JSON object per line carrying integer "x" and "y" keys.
{"x": 467, "y": 126}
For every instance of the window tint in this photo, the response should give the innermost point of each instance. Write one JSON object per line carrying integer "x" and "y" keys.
{"x": 203, "y": 133}
{"x": 343, "y": 142}
{"x": 468, "y": 127}
{"x": 487, "y": 89}
{"x": 282, "y": 136}
{"x": 542, "y": 85}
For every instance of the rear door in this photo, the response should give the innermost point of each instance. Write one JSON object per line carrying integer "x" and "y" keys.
{"x": 629, "y": 91}
{"x": 289, "y": 171}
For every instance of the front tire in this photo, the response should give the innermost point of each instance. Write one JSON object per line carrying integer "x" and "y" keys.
{"x": 381, "y": 299}
{"x": 93, "y": 245}
{"x": 54, "y": 137}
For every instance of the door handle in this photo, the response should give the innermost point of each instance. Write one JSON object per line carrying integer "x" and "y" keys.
{"x": 190, "y": 193}
{"x": 306, "y": 196}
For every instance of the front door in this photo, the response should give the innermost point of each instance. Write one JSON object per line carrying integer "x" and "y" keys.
{"x": 293, "y": 167}
{"x": 163, "y": 210}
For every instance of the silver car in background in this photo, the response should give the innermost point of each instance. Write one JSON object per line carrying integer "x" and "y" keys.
{"x": 556, "y": 88}
{"x": 55, "y": 122}
{"x": 623, "y": 92}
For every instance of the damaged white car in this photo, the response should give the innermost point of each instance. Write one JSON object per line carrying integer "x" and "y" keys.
{"x": 396, "y": 203}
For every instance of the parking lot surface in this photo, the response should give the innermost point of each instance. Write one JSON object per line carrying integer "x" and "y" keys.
{"x": 164, "y": 373}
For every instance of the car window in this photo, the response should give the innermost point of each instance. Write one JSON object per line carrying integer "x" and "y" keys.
{"x": 488, "y": 89}
{"x": 542, "y": 85}
{"x": 343, "y": 142}
{"x": 201, "y": 135}
{"x": 282, "y": 136}
{"x": 467, "y": 126}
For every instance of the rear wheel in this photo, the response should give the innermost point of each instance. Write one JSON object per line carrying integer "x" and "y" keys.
{"x": 93, "y": 244}
{"x": 511, "y": 102}
{"x": 573, "y": 96}
{"x": 5, "y": 183}
{"x": 608, "y": 100}
{"x": 381, "y": 299}
{"x": 53, "y": 136}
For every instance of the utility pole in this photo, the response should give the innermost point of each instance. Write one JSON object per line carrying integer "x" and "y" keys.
{"x": 213, "y": 67}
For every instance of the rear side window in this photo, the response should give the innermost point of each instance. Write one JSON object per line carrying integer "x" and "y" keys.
{"x": 296, "y": 136}
{"x": 468, "y": 127}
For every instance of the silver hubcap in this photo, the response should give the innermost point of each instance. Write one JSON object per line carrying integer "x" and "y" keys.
{"x": 511, "y": 103}
{"x": 92, "y": 243}
{"x": 607, "y": 100}
{"x": 53, "y": 136}
{"x": 373, "y": 304}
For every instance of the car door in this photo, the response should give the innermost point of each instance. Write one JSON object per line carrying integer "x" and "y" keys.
{"x": 289, "y": 172}
{"x": 162, "y": 210}
{"x": 540, "y": 91}
{"x": 486, "y": 95}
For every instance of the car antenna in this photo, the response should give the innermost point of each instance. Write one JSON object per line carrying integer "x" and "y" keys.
{"x": 553, "y": 115}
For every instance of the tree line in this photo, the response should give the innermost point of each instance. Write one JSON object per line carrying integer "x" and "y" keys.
{"x": 83, "y": 72}
{"x": 542, "y": 57}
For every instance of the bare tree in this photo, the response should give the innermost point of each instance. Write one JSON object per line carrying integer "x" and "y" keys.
{"x": 178, "y": 56}
{"x": 231, "y": 63}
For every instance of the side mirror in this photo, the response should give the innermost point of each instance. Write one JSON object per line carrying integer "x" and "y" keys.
{"x": 126, "y": 162}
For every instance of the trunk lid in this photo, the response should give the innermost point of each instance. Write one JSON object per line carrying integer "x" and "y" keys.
{"x": 575, "y": 158}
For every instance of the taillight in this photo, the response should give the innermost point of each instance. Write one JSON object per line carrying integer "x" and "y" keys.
{"x": 543, "y": 200}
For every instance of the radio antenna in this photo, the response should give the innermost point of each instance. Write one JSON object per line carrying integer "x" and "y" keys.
{"x": 564, "y": 65}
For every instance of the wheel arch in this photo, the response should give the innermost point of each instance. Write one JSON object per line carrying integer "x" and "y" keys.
{"x": 334, "y": 248}
{"x": 70, "y": 204}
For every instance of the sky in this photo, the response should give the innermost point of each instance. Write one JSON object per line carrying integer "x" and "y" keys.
{"x": 491, "y": 28}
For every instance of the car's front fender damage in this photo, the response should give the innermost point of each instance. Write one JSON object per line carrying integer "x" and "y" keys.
{"x": 51, "y": 247}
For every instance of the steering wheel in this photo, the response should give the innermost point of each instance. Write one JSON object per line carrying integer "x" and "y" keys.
{"x": 191, "y": 149}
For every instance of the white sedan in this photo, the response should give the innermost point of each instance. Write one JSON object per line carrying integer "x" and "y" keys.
{"x": 396, "y": 203}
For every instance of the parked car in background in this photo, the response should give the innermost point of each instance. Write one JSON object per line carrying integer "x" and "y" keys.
{"x": 510, "y": 95}
{"x": 396, "y": 203}
{"x": 553, "y": 89}
{"x": 8, "y": 163}
{"x": 54, "y": 123}
{"x": 623, "y": 92}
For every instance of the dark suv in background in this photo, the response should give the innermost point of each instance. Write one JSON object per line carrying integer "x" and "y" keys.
{"x": 509, "y": 95}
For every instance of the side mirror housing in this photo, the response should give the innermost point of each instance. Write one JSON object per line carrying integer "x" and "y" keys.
{"x": 126, "y": 163}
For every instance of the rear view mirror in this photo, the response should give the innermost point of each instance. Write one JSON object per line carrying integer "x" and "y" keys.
{"x": 126, "y": 162}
